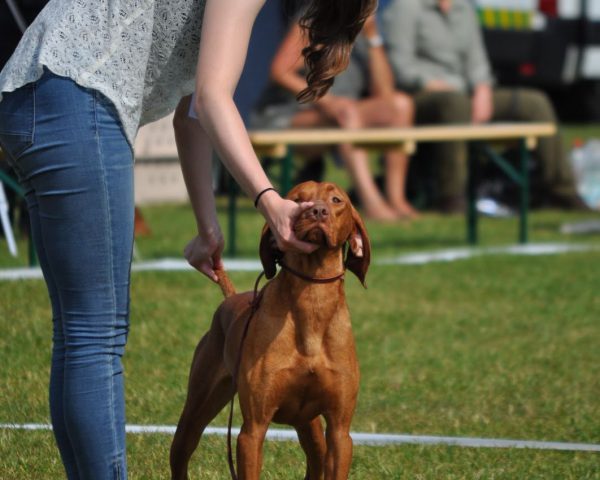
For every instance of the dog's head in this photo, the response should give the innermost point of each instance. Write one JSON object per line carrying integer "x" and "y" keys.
{"x": 330, "y": 223}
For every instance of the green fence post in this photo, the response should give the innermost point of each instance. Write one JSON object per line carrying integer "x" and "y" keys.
{"x": 286, "y": 171}
{"x": 472, "y": 236}
{"x": 14, "y": 186}
{"x": 524, "y": 203}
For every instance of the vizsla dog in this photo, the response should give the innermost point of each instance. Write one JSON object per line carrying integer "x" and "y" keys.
{"x": 298, "y": 360}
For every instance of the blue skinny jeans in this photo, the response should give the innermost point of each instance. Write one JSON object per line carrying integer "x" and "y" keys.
{"x": 71, "y": 155}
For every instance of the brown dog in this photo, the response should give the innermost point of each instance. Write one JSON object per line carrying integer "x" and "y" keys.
{"x": 298, "y": 360}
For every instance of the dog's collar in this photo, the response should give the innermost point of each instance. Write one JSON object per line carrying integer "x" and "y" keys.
{"x": 309, "y": 278}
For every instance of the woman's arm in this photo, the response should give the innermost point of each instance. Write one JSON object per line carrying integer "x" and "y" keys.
{"x": 288, "y": 61}
{"x": 286, "y": 72}
{"x": 381, "y": 77}
{"x": 195, "y": 156}
{"x": 225, "y": 35}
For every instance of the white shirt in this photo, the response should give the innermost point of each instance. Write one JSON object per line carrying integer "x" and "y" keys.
{"x": 141, "y": 54}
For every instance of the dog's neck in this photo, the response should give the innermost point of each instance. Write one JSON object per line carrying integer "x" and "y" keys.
{"x": 313, "y": 305}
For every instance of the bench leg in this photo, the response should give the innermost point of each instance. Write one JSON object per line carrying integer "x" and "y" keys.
{"x": 520, "y": 176}
{"x": 286, "y": 171}
{"x": 10, "y": 183}
{"x": 14, "y": 186}
{"x": 473, "y": 173}
{"x": 524, "y": 200}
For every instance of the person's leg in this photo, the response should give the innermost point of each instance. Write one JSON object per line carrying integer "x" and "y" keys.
{"x": 530, "y": 105}
{"x": 356, "y": 161}
{"x": 373, "y": 203}
{"x": 58, "y": 343}
{"x": 79, "y": 173}
{"x": 450, "y": 158}
{"x": 397, "y": 111}
{"x": 16, "y": 134}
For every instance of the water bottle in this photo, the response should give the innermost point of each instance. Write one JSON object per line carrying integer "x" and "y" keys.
{"x": 585, "y": 160}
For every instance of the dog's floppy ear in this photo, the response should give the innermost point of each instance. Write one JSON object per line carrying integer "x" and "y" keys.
{"x": 269, "y": 253}
{"x": 359, "y": 253}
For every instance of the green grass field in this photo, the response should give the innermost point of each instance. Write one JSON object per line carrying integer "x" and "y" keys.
{"x": 497, "y": 346}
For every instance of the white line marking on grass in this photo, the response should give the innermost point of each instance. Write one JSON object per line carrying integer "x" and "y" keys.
{"x": 454, "y": 254}
{"x": 421, "y": 258}
{"x": 371, "y": 439}
{"x": 165, "y": 265}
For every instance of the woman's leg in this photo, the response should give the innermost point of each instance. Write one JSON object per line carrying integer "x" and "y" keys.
{"x": 373, "y": 203}
{"x": 58, "y": 342}
{"x": 557, "y": 178}
{"x": 396, "y": 111}
{"x": 79, "y": 176}
{"x": 450, "y": 158}
{"x": 357, "y": 161}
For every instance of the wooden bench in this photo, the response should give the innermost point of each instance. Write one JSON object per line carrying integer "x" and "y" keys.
{"x": 280, "y": 144}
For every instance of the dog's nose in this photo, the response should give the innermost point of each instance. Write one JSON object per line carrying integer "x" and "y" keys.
{"x": 319, "y": 211}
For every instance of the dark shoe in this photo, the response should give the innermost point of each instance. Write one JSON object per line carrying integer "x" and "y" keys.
{"x": 570, "y": 202}
{"x": 451, "y": 205}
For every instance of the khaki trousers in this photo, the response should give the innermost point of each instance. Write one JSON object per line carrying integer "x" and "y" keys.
{"x": 510, "y": 104}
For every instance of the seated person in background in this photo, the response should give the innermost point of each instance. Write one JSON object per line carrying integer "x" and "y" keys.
{"x": 342, "y": 107}
{"x": 436, "y": 51}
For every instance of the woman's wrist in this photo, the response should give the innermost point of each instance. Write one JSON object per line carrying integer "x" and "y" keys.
{"x": 208, "y": 227}
{"x": 261, "y": 193}
{"x": 268, "y": 201}
{"x": 375, "y": 41}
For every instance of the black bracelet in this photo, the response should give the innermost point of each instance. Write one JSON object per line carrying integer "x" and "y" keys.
{"x": 261, "y": 194}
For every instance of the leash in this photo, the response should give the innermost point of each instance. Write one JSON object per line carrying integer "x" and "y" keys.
{"x": 254, "y": 305}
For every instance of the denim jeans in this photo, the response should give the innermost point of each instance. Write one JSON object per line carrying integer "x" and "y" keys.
{"x": 70, "y": 153}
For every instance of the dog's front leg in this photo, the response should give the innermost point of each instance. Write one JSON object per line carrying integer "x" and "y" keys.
{"x": 339, "y": 449}
{"x": 313, "y": 443}
{"x": 249, "y": 449}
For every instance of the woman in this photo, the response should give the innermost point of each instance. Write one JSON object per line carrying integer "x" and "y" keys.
{"x": 347, "y": 106}
{"x": 85, "y": 76}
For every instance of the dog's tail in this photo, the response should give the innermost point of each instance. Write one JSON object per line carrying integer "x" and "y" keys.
{"x": 226, "y": 286}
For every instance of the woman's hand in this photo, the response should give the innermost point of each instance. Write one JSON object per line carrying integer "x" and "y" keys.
{"x": 437, "y": 85}
{"x": 482, "y": 104}
{"x": 281, "y": 214}
{"x": 204, "y": 251}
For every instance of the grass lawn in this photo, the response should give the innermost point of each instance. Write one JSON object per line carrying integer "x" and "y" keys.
{"x": 496, "y": 346}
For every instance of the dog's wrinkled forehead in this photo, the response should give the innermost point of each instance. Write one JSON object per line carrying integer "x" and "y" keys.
{"x": 312, "y": 191}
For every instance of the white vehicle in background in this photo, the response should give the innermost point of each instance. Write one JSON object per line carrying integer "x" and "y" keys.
{"x": 550, "y": 44}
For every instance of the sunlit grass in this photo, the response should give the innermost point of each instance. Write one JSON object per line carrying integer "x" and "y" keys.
{"x": 496, "y": 346}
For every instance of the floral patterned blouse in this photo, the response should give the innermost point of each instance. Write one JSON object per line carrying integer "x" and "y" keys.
{"x": 141, "y": 54}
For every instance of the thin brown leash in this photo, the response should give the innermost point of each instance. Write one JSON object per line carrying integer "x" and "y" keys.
{"x": 254, "y": 304}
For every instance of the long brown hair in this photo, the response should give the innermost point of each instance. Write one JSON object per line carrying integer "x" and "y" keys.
{"x": 332, "y": 27}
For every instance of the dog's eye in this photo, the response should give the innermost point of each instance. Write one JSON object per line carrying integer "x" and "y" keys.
{"x": 336, "y": 200}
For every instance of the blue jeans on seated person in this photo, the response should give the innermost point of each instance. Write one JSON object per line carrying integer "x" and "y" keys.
{"x": 70, "y": 153}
